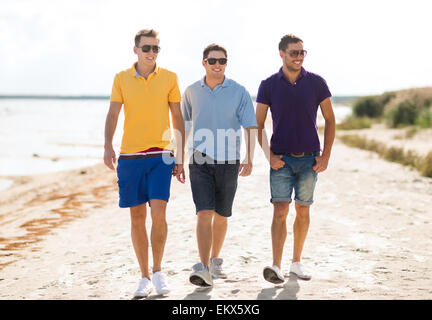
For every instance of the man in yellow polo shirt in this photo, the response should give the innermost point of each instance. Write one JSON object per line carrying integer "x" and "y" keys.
{"x": 146, "y": 162}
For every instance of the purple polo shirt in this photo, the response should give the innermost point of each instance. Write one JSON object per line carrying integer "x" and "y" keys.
{"x": 294, "y": 110}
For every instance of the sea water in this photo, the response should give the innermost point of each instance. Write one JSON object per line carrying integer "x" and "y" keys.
{"x": 42, "y": 136}
{"x": 50, "y": 135}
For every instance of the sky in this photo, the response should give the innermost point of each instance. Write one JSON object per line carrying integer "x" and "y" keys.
{"x": 76, "y": 47}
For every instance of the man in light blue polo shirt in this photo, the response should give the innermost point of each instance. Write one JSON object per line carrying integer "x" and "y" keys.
{"x": 215, "y": 108}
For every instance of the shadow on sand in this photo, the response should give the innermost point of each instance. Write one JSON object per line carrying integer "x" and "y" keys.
{"x": 289, "y": 290}
{"x": 199, "y": 294}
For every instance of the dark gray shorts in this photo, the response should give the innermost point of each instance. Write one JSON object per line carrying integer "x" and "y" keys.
{"x": 214, "y": 186}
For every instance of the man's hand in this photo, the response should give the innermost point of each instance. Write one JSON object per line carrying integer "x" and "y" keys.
{"x": 276, "y": 161}
{"x": 178, "y": 172}
{"x": 110, "y": 158}
{"x": 245, "y": 168}
{"x": 321, "y": 164}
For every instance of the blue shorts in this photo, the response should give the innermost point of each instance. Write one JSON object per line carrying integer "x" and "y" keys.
{"x": 297, "y": 174}
{"x": 141, "y": 180}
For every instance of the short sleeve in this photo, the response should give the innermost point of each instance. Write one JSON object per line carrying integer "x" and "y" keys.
{"x": 116, "y": 92}
{"x": 323, "y": 90}
{"x": 186, "y": 110}
{"x": 263, "y": 94}
{"x": 174, "y": 93}
{"x": 246, "y": 112}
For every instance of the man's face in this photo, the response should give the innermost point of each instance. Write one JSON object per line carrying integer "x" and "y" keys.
{"x": 291, "y": 57}
{"x": 216, "y": 70}
{"x": 148, "y": 58}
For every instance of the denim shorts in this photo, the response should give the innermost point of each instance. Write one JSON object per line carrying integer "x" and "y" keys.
{"x": 214, "y": 186}
{"x": 141, "y": 180}
{"x": 297, "y": 175}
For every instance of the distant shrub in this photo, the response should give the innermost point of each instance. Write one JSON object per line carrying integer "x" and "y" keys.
{"x": 395, "y": 154}
{"x": 426, "y": 166}
{"x": 370, "y": 106}
{"x": 424, "y": 118}
{"x": 354, "y": 140}
{"x": 354, "y": 123}
{"x": 404, "y": 114}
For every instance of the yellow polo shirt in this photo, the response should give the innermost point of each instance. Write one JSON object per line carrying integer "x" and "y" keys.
{"x": 146, "y": 108}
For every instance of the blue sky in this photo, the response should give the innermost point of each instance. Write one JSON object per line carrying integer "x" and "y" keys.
{"x": 76, "y": 47}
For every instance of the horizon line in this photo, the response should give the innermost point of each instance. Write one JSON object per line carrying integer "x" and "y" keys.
{"x": 103, "y": 97}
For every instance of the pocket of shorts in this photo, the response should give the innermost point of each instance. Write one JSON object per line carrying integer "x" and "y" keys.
{"x": 123, "y": 173}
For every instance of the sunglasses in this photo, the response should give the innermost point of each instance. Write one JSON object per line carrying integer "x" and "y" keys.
{"x": 147, "y": 48}
{"x": 296, "y": 53}
{"x": 212, "y": 61}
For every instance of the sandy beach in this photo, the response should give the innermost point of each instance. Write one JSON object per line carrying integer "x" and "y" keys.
{"x": 63, "y": 236}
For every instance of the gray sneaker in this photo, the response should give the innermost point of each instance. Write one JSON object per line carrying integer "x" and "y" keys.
{"x": 216, "y": 268}
{"x": 200, "y": 276}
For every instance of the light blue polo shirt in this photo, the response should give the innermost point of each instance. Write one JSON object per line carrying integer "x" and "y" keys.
{"x": 216, "y": 117}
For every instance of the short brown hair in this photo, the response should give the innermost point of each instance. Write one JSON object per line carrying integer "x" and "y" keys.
{"x": 213, "y": 47}
{"x": 287, "y": 39}
{"x": 145, "y": 33}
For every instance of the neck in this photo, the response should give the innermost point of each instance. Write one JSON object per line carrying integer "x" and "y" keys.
{"x": 144, "y": 69}
{"x": 213, "y": 82}
{"x": 292, "y": 75}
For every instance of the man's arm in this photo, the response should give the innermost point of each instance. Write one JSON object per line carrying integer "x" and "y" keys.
{"x": 179, "y": 136}
{"x": 110, "y": 127}
{"x": 329, "y": 135}
{"x": 261, "y": 114}
{"x": 246, "y": 166}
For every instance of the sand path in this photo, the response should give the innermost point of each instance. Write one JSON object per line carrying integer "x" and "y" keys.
{"x": 63, "y": 237}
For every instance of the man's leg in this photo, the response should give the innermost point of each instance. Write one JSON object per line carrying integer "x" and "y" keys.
{"x": 279, "y": 231}
{"x": 220, "y": 226}
{"x": 139, "y": 237}
{"x": 159, "y": 231}
{"x": 304, "y": 191}
{"x": 226, "y": 179}
{"x": 300, "y": 229}
{"x": 204, "y": 234}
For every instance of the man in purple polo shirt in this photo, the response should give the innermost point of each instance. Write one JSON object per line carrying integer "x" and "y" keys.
{"x": 293, "y": 96}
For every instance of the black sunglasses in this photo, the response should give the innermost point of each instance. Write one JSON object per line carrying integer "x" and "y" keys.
{"x": 296, "y": 53}
{"x": 212, "y": 61}
{"x": 147, "y": 48}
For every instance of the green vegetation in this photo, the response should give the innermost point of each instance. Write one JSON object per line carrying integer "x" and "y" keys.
{"x": 394, "y": 154}
{"x": 410, "y": 132}
{"x": 353, "y": 123}
{"x": 369, "y": 106}
{"x": 424, "y": 118}
{"x": 412, "y": 107}
{"x": 410, "y": 112}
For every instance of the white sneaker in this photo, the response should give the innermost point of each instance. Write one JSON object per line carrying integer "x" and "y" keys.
{"x": 273, "y": 275}
{"x": 216, "y": 268}
{"x": 144, "y": 288}
{"x": 201, "y": 276}
{"x": 160, "y": 283}
{"x": 298, "y": 269}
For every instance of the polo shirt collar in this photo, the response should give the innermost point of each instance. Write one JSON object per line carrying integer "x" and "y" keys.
{"x": 135, "y": 73}
{"x": 224, "y": 84}
{"x": 303, "y": 73}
